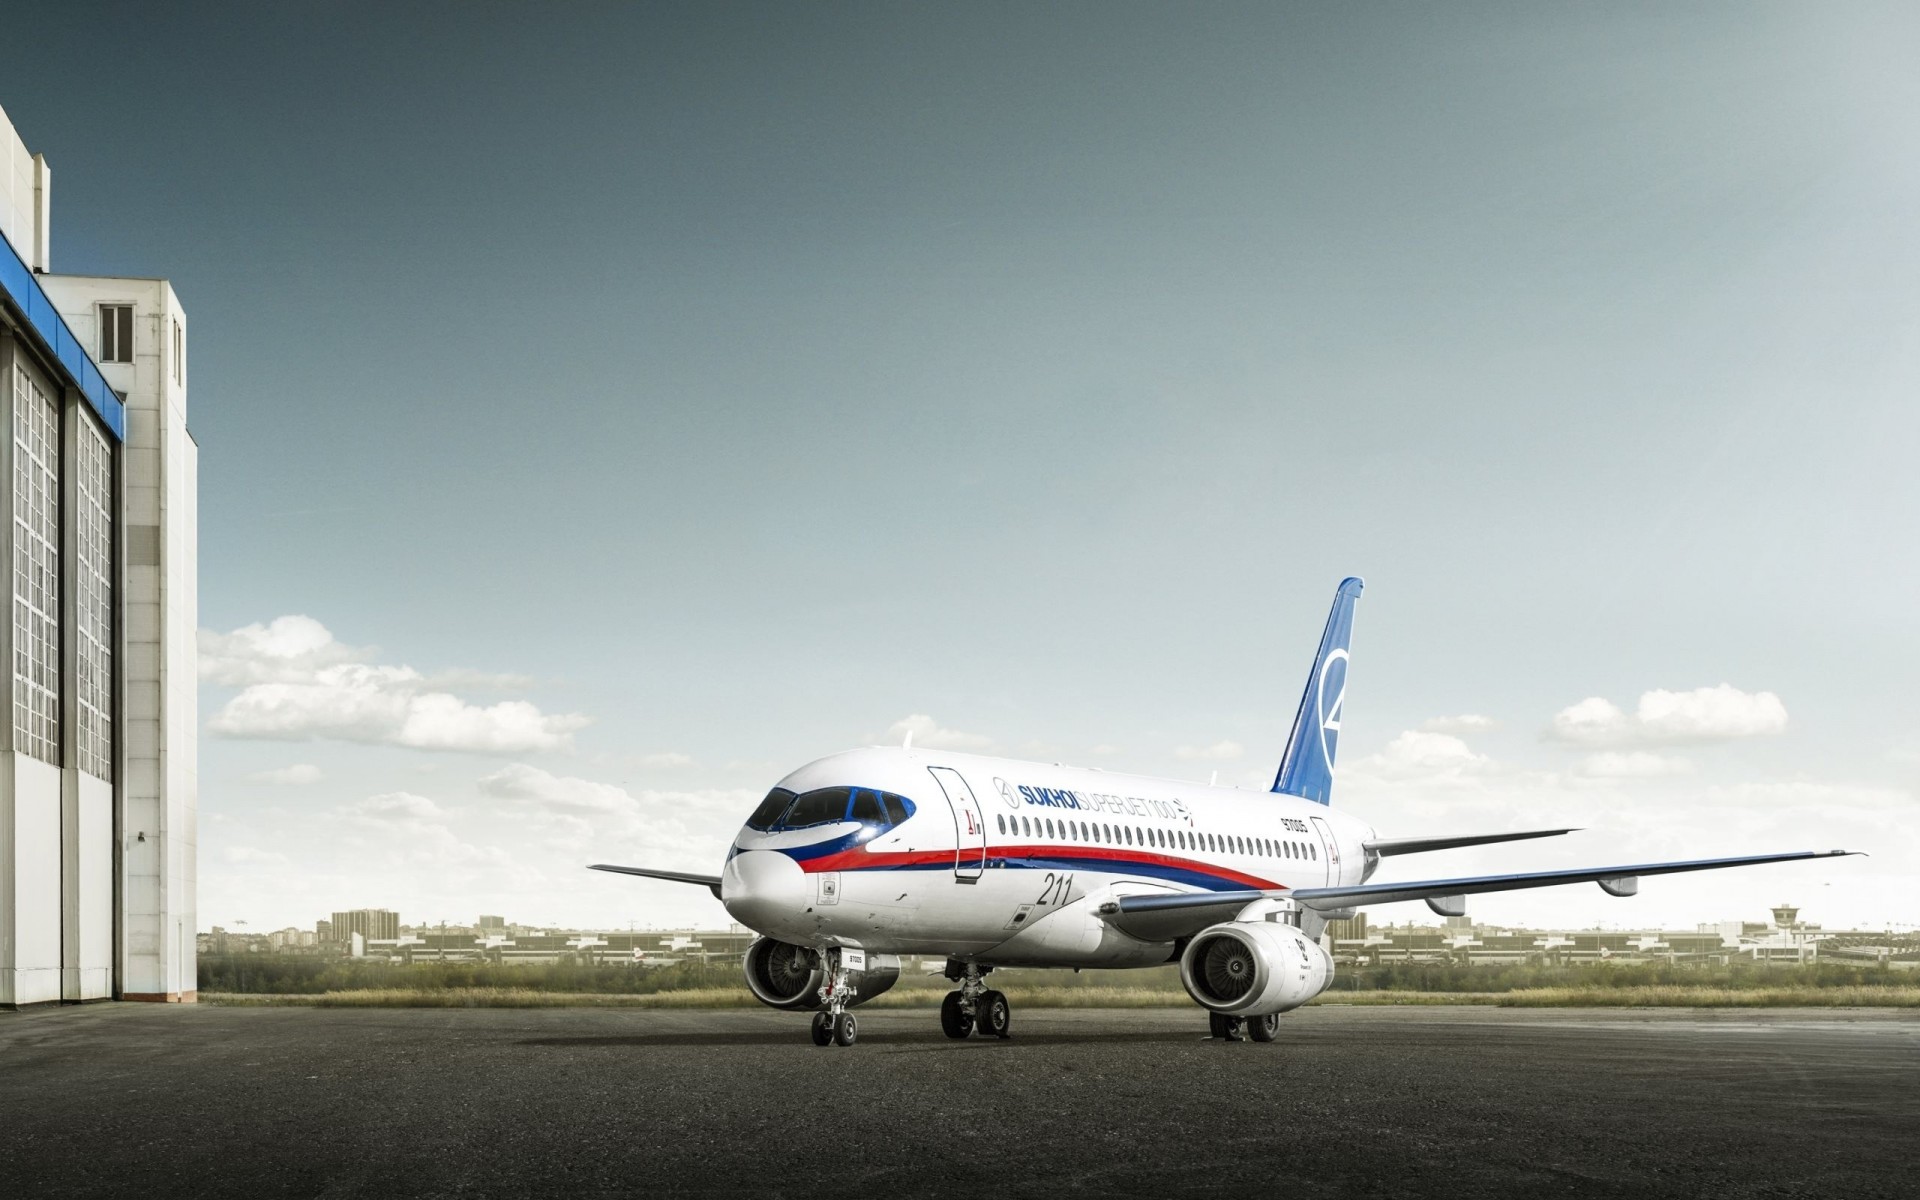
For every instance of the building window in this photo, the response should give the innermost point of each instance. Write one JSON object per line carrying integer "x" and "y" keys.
{"x": 94, "y": 462}
{"x": 179, "y": 354}
{"x": 36, "y": 571}
{"x": 116, "y": 333}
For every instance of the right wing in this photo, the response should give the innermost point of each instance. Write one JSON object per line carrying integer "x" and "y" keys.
{"x": 710, "y": 882}
{"x": 1615, "y": 881}
{"x": 1164, "y": 916}
{"x": 1386, "y": 846}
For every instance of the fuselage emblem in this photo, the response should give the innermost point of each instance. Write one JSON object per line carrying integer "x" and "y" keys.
{"x": 1329, "y": 709}
{"x": 1006, "y": 792}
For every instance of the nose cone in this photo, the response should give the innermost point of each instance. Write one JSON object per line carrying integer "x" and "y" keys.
{"x": 764, "y": 890}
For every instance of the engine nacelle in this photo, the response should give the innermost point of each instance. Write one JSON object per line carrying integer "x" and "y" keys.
{"x": 1250, "y": 969}
{"x": 783, "y": 975}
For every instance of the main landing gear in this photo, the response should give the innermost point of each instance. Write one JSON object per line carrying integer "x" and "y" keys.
{"x": 834, "y": 1025}
{"x": 975, "y": 1007}
{"x": 1227, "y": 1029}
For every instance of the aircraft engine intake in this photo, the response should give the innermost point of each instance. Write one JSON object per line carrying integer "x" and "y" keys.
{"x": 783, "y": 975}
{"x": 1251, "y": 969}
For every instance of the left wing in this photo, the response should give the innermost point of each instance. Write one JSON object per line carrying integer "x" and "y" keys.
{"x": 1161, "y": 917}
{"x": 710, "y": 882}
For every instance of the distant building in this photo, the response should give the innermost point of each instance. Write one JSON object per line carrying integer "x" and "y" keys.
{"x": 491, "y": 924}
{"x": 372, "y": 924}
{"x": 323, "y": 932}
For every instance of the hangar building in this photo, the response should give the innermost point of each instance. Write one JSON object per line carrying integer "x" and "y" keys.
{"x": 98, "y": 743}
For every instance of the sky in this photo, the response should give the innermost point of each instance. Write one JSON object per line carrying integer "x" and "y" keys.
{"x": 604, "y": 410}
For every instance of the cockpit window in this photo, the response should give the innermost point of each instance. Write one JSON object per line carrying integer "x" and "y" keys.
{"x": 768, "y": 814}
{"x": 817, "y": 808}
{"x": 866, "y": 807}
{"x": 824, "y": 806}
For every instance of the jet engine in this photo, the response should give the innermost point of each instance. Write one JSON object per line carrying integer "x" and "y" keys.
{"x": 783, "y": 975}
{"x": 1250, "y": 969}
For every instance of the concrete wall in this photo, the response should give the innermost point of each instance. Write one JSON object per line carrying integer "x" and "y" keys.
{"x": 26, "y": 186}
{"x": 158, "y": 648}
{"x": 30, "y": 901}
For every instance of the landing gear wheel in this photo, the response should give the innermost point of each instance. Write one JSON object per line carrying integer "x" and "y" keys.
{"x": 844, "y": 1030}
{"x": 996, "y": 1015}
{"x": 1227, "y": 1029}
{"x": 1264, "y": 1029}
{"x": 954, "y": 1022}
{"x": 822, "y": 1029}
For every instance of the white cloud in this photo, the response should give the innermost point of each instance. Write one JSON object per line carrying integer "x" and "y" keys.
{"x": 287, "y": 649}
{"x": 666, "y": 761}
{"x": 477, "y": 681}
{"x": 1416, "y": 753}
{"x": 559, "y": 792}
{"x": 1222, "y": 751}
{"x": 298, "y": 683}
{"x": 687, "y": 830}
{"x": 297, "y": 775}
{"x": 1104, "y": 750}
{"x": 1630, "y": 764}
{"x": 397, "y": 806}
{"x": 1708, "y": 714}
{"x": 1464, "y": 723}
{"x": 927, "y": 732}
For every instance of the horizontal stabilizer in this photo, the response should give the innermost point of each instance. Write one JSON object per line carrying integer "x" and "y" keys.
{"x": 1386, "y": 846}
{"x": 1388, "y": 893}
{"x": 710, "y": 882}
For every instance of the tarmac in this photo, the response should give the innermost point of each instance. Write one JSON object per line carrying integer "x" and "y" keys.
{"x": 113, "y": 1100}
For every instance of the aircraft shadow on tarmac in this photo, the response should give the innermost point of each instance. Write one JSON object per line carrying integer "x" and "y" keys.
{"x": 883, "y": 1042}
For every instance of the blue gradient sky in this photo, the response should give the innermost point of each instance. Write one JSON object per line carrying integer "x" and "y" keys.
{"x": 752, "y": 377}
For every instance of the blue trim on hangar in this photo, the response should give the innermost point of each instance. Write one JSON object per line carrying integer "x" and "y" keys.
{"x": 21, "y": 290}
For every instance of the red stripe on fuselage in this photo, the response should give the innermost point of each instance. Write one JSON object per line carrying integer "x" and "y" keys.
{"x": 859, "y": 858}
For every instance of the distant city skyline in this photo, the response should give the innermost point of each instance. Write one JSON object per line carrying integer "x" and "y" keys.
{"x": 606, "y": 410}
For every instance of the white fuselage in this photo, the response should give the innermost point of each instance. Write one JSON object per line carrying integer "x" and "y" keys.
{"x": 1007, "y": 863}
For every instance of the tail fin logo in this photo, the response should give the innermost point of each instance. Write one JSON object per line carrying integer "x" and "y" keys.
{"x": 1329, "y": 714}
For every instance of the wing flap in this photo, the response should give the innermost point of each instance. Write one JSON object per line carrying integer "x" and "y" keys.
{"x": 710, "y": 882}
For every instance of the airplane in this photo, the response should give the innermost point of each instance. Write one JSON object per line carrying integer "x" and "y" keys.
{"x": 857, "y": 859}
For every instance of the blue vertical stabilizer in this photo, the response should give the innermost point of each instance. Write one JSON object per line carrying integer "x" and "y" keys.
{"x": 1307, "y": 769}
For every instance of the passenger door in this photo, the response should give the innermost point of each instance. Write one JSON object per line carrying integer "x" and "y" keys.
{"x": 1329, "y": 851}
{"x": 969, "y": 827}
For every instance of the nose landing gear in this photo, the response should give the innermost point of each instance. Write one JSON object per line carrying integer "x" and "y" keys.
{"x": 834, "y": 1025}
{"x": 975, "y": 1007}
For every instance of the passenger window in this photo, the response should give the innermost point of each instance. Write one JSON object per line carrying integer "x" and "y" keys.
{"x": 768, "y": 814}
{"x": 1001, "y": 821}
{"x": 866, "y": 807}
{"x": 1313, "y": 852}
{"x": 1026, "y": 830}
